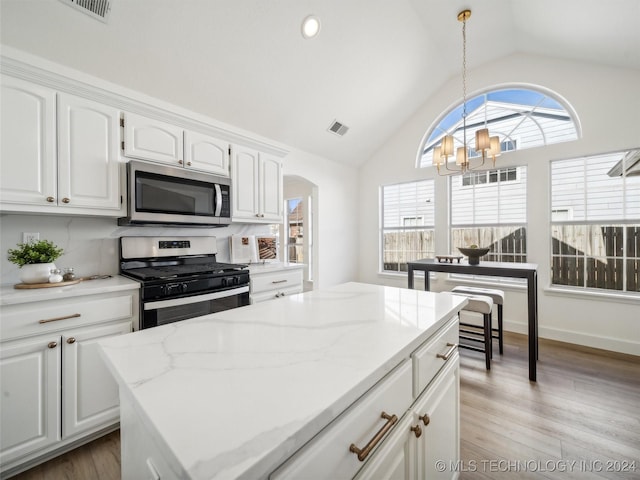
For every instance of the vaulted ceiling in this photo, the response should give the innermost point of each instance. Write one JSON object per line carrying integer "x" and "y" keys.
{"x": 245, "y": 63}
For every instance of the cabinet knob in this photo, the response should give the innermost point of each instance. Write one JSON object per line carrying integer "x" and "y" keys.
{"x": 257, "y": 215}
{"x": 51, "y": 199}
{"x": 188, "y": 164}
{"x": 180, "y": 162}
{"x": 52, "y": 344}
{"x": 65, "y": 200}
{"x": 417, "y": 431}
{"x": 71, "y": 340}
{"x": 425, "y": 419}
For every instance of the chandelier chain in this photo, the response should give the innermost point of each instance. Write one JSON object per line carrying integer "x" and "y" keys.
{"x": 464, "y": 68}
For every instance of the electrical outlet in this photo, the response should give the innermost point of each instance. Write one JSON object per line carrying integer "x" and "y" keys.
{"x": 28, "y": 237}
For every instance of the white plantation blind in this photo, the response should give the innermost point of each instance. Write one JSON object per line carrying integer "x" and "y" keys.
{"x": 591, "y": 189}
{"x": 408, "y": 205}
{"x": 489, "y": 198}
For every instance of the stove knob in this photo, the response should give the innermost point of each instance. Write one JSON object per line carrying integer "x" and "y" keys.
{"x": 224, "y": 281}
{"x": 236, "y": 280}
{"x": 184, "y": 287}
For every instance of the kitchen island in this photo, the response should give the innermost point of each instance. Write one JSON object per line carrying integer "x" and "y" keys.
{"x": 236, "y": 393}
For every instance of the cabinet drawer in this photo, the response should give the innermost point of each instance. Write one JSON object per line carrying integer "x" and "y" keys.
{"x": 276, "y": 281}
{"x": 426, "y": 362}
{"x": 327, "y": 455}
{"x": 43, "y": 317}
{"x": 273, "y": 294}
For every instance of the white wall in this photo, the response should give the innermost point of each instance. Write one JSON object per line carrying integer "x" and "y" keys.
{"x": 335, "y": 213}
{"x": 607, "y": 101}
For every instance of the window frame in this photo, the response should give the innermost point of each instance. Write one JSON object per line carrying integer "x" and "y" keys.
{"x": 428, "y": 228}
{"x": 585, "y": 222}
{"x": 521, "y": 170}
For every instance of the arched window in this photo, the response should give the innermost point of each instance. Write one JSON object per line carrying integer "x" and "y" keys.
{"x": 521, "y": 117}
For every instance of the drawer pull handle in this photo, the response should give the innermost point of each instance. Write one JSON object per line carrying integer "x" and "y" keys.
{"x": 71, "y": 340}
{"x": 449, "y": 352}
{"x": 75, "y": 315}
{"x": 417, "y": 431}
{"x": 52, "y": 344}
{"x": 425, "y": 419}
{"x": 279, "y": 281}
{"x": 363, "y": 453}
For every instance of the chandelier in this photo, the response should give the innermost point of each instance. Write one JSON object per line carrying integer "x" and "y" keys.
{"x": 487, "y": 145}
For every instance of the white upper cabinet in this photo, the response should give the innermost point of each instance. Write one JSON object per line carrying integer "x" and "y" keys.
{"x": 257, "y": 189}
{"x": 28, "y": 167}
{"x": 88, "y": 165}
{"x": 82, "y": 176}
{"x": 271, "y": 193}
{"x": 162, "y": 142}
{"x": 206, "y": 153}
{"x": 152, "y": 140}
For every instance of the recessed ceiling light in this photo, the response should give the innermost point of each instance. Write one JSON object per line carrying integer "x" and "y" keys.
{"x": 310, "y": 26}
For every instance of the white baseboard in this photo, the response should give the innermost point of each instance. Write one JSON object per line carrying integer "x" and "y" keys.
{"x": 578, "y": 338}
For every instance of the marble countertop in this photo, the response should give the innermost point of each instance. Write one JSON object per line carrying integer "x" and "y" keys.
{"x": 233, "y": 394}
{"x": 12, "y": 296}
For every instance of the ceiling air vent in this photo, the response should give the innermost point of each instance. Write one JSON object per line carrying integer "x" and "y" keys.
{"x": 338, "y": 128}
{"x": 98, "y": 9}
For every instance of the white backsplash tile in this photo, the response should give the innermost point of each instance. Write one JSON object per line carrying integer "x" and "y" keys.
{"x": 91, "y": 243}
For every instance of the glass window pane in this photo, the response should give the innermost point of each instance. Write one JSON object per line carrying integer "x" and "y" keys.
{"x": 521, "y": 117}
{"x": 586, "y": 195}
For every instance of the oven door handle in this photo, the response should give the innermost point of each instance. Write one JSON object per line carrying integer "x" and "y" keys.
{"x": 174, "y": 302}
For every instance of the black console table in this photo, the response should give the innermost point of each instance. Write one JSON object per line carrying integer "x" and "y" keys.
{"x": 494, "y": 269}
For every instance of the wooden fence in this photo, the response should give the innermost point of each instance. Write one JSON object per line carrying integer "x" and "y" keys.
{"x": 604, "y": 265}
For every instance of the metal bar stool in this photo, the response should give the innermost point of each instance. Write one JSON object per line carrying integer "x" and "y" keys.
{"x": 477, "y": 304}
{"x": 498, "y": 298}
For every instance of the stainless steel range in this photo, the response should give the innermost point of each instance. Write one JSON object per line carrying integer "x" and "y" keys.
{"x": 181, "y": 278}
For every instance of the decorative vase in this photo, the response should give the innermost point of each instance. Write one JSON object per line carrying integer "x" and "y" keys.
{"x": 36, "y": 272}
{"x": 474, "y": 254}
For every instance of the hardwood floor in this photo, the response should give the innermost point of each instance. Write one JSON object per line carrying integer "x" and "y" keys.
{"x": 585, "y": 408}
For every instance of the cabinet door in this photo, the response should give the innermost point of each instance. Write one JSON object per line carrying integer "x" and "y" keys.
{"x": 89, "y": 393}
{"x": 28, "y": 167}
{"x": 206, "y": 153}
{"x": 271, "y": 203}
{"x": 30, "y": 396}
{"x": 88, "y": 168}
{"x": 245, "y": 178}
{"x": 152, "y": 140}
{"x": 395, "y": 458}
{"x": 440, "y": 440}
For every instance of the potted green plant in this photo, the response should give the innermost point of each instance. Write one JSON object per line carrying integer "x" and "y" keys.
{"x": 35, "y": 260}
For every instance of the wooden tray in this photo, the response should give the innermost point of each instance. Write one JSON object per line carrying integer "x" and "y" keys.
{"x": 45, "y": 285}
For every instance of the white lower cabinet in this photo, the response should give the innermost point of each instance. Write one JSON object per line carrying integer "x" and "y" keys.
{"x": 30, "y": 372}
{"x": 426, "y": 431}
{"x": 142, "y": 459}
{"x": 89, "y": 393}
{"x": 275, "y": 284}
{"x": 55, "y": 389}
{"x": 426, "y": 439}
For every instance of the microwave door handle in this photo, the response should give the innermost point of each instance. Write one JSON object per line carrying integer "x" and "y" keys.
{"x": 218, "y": 200}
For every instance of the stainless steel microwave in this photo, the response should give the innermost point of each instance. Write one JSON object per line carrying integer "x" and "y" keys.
{"x": 175, "y": 196}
